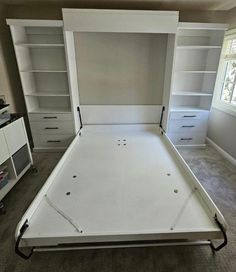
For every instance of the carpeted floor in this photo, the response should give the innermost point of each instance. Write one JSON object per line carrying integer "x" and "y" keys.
{"x": 216, "y": 174}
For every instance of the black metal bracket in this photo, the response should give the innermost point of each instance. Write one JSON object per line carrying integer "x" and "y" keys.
{"x": 80, "y": 117}
{"x": 214, "y": 248}
{"x": 18, "y": 252}
{"x": 162, "y": 114}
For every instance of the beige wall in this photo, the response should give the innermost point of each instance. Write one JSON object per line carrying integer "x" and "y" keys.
{"x": 9, "y": 78}
{"x": 231, "y": 18}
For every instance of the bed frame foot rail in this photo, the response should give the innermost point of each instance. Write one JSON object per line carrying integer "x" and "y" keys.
{"x": 213, "y": 247}
{"x": 17, "y": 250}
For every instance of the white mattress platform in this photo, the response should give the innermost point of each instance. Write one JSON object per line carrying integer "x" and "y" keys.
{"x": 120, "y": 184}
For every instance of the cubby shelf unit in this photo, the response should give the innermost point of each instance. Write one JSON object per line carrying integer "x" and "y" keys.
{"x": 42, "y": 63}
{"x": 197, "y": 53}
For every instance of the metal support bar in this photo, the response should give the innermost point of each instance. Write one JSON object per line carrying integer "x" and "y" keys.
{"x": 120, "y": 245}
{"x": 224, "y": 235}
{"x": 18, "y": 252}
{"x": 80, "y": 117}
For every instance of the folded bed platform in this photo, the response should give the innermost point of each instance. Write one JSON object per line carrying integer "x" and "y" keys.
{"x": 120, "y": 185}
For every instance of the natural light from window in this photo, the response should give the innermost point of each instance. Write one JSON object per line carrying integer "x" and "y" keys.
{"x": 228, "y": 94}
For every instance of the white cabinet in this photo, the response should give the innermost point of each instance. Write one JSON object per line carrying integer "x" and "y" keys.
{"x": 197, "y": 53}
{"x": 4, "y": 154}
{"x": 42, "y": 63}
{"x": 15, "y": 153}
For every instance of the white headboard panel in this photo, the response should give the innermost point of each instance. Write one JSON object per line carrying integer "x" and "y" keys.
{"x": 119, "y": 114}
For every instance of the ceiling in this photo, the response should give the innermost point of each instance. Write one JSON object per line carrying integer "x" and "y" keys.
{"x": 216, "y": 5}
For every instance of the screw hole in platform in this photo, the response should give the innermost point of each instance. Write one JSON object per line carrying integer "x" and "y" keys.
{"x": 176, "y": 191}
{"x": 68, "y": 193}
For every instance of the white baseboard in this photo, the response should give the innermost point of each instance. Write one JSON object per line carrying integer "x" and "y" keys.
{"x": 222, "y": 152}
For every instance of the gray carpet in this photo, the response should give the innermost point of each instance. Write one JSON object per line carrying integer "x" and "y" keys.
{"x": 216, "y": 174}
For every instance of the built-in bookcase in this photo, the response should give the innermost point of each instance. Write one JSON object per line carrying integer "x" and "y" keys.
{"x": 42, "y": 65}
{"x": 41, "y": 57}
{"x": 197, "y": 53}
{"x": 197, "y": 56}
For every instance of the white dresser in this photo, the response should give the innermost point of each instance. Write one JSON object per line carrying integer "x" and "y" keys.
{"x": 188, "y": 127}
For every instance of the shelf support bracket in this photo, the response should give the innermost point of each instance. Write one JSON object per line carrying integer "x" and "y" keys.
{"x": 213, "y": 247}
{"x": 17, "y": 250}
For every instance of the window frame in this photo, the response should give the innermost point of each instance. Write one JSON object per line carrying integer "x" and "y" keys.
{"x": 218, "y": 103}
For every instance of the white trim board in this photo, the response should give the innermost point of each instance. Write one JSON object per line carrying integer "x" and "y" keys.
{"x": 35, "y": 22}
{"x": 222, "y": 151}
{"x": 129, "y": 21}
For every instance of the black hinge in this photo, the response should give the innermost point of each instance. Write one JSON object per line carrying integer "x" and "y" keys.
{"x": 162, "y": 114}
{"x": 224, "y": 235}
{"x": 80, "y": 117}
{"x": 18, "y": 252}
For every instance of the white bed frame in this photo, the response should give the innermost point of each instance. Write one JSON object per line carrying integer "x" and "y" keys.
{"x": 121, "y": 182}
{"x": 116, "y": 186}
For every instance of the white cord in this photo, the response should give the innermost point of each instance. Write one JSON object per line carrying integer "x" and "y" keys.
{"x": 183, "y": 208}
{"x": 59, "y": 211}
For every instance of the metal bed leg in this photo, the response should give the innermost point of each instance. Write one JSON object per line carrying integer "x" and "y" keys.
{"x": 213, "y": 247}
{"x": 18, "y": 252}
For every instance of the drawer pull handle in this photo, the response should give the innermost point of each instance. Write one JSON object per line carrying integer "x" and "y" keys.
{"x": 55, "y": 141}
{"x": 51, "y": 128}
{"x": 186, "y": 139}
{"x": 188, "y": 126}
{"x": 191, "y": 116}
{"x": 50, "y": 117}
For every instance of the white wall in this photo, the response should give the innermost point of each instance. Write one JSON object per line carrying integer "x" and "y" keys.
{"x": 222, "y": 130}
{"x": 222, "y": 126}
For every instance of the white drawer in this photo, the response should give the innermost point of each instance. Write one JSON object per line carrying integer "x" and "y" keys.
{"x": 187, "y": 138}
{"x": 188, "y": 115}
{"x": 52, "y": 140}
{"x": 52, "y": 127}
{"x": 50, "y": 117}
{"x": 187, "y": 125}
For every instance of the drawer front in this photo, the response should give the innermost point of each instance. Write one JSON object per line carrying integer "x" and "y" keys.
{"x": 52, "y": 127}
{"x": 187, "y": 138}
{"x": 15, "y": 135}
{"x": 36, "y": 117}
{"x": 52, "y": 140}
{"x": 189, "y": 115}
{"x": 188, "y": 125}
{"x": 4, "y": 154}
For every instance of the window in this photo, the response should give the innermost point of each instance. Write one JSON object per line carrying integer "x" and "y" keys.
{"x": 225, "y": 90}
{"x": 228, "y": 94}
